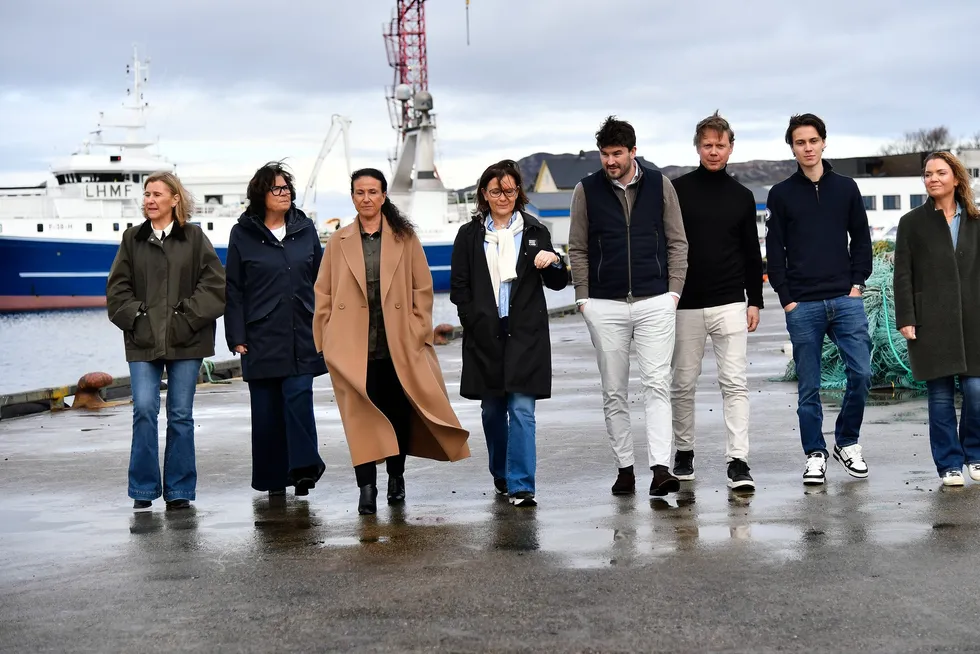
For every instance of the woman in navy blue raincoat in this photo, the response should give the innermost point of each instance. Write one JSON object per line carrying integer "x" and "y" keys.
{"x": 274, "y": 253}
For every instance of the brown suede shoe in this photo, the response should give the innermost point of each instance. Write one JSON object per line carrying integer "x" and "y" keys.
{"x": 663, "y": 482}
{"x": 625, "y": 482}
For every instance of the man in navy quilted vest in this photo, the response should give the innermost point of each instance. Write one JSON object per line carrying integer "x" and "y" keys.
{"x": 628, "y": 253}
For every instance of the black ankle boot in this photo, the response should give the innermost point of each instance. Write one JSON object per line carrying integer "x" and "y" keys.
{"x": 396, "y": 489}
{"x": 368, "y": 504}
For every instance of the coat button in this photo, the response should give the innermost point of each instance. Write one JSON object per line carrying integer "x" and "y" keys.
{"x": 397, "y": 305}
{"x": 341, "y": 306}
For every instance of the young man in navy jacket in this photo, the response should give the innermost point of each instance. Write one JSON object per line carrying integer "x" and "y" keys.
{"x": 819, "y": 277}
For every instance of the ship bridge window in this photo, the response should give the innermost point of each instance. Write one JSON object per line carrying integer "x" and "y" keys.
{"x": 212, "y": 199}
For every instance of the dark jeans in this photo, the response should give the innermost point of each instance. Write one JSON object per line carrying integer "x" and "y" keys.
{"x": 949, "y": 451}
{"x": 844, "y": 320}
{"x": 284, "y": 446}
{"x": 179, "y": 464}
{"x": 385, "y": 391}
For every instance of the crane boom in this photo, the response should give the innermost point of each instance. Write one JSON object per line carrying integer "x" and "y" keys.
{"x": 339, "y": 125}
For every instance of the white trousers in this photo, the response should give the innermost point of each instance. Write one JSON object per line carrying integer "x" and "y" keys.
{"x": 726, "y": 325}
{"x": 649, "y": 324}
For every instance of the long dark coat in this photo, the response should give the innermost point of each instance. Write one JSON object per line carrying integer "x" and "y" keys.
{"x": 938, "y": 291}
{"x": 270, "y": 299}
{"x": 521, "y": 362}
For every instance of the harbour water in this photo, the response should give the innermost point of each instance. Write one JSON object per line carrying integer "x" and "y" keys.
{"x": 55, "y": 348}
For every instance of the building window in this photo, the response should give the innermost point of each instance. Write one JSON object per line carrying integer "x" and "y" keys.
{"x": 40, "y": 227}
{"x": 210, "y": 227}
{"x": 892, "y": 202}
{"x": 975, "y": 173}
{"x": 870, "y": 202}
{"x": 916, "y": 201}
{"x": 115, "y": 227}
{"x": 88, "y": 227}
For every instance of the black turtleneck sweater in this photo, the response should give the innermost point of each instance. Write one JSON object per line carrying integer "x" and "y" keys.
{"x": 724, "y": 258}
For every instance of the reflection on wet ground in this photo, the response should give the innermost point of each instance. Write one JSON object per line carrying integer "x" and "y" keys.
{"x": 582, "y": 571}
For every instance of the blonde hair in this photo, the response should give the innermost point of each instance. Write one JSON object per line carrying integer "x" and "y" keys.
{"x": 185, "y": 201}
{"x": 963, "y": 192}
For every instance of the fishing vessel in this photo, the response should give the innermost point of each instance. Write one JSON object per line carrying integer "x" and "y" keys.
{"x": 58, "y": 239}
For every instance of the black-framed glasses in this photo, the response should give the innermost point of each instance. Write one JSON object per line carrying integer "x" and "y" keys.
{"x": 496, "y": 193}
{"x": 279, "y": 190}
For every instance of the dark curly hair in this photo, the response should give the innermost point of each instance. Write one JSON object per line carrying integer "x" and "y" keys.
{"x": 615, "y": 132}
{"x": 262, "y": 182}
{"x": 498, "y": 171}
{"x": 400, "y": 225}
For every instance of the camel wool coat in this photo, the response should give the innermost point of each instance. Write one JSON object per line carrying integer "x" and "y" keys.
{"x": 340, "y": 331}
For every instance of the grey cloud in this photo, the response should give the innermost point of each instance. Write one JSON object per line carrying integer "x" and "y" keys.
{"x": 865, "y": 66}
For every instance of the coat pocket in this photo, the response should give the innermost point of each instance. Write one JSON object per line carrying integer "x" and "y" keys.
{"x": 141, "y": 335}
{"x": 181, "y": 333}
{"x": 917, "y": 303}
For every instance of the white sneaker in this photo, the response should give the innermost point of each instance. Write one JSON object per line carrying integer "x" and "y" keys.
{"x": 853, "y": 461}
{"x": 816, "y": 469}
{"x": 974, "y": 469}
{"x": 953, "y": 478}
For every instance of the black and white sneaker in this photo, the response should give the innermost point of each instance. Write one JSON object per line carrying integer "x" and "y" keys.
{"x": 523, "y": 498}
{"x": 684, "y": 465}
{"x": 739, "y": 477}
{"x": 500, "y": 486}
{"x": 815, "y": 472}
{"x": 853, "y": 461}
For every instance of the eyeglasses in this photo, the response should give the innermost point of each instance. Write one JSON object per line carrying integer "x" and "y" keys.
{"x": 496, "y": 193}
{"x": 279, "y": 190}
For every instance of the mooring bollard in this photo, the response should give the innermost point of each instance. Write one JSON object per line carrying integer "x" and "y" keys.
{"x": 87, "y": 394}
{"x": 440, "y": 335}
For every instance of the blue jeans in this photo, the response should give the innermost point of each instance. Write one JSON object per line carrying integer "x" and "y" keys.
{"x": 179, "y": 467}
{"x": 510, "y": 443}
{"x": 844, "y": 320}
{"x": 949, "y": 451}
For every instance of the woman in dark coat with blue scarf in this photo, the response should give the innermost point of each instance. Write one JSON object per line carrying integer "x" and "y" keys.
{"x": 274, "y": 253}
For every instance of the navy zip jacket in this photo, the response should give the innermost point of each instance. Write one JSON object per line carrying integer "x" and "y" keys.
{"x": 269, "y": 297}
{"x": 807, "y": 252}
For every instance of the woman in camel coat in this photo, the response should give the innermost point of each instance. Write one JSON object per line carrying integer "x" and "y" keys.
{"x": 373, "y": 324}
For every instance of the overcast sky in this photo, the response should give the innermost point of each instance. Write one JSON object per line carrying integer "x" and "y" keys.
{"x": 234, "y": 83}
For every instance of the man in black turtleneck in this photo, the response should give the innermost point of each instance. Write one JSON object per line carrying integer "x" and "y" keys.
{"x": 724, "y": 266}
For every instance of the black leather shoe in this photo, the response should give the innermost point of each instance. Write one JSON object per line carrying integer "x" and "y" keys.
{"x": 304, "y": 485}
{"x": 396, "y": 489}
{"x": 368, "y": 504}
{"x": 175, "y": 505}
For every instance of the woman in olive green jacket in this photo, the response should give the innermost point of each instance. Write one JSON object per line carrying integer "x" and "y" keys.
{"x": 165, "y": 291}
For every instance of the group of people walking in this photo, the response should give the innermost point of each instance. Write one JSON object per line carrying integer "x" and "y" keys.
{"x": 656, "y": 265}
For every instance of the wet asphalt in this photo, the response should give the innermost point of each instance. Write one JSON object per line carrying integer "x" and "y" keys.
{"x": 889, "y": 564}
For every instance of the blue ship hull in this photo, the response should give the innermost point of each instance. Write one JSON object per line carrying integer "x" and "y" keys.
{"x": 38, "y": 274}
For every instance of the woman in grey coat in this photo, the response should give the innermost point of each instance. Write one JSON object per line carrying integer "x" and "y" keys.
{"x": 937, "y": 308}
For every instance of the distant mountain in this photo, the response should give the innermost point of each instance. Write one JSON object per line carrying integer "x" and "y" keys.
{"x": 760, "y": 173}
